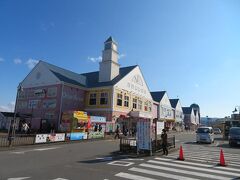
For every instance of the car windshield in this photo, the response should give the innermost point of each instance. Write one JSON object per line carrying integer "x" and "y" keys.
{"x": 203, "y": 130}
{"x": 235, "y": 131}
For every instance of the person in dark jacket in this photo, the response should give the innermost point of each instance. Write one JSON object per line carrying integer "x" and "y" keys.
{"x": 117, "y": 131}
{"x": 164, "y": 142}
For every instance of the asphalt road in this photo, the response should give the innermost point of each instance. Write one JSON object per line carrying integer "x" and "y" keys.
{"x": 96, "y": 160}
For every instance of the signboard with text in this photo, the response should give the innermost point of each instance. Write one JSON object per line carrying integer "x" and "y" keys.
{"x": 144, "y": 134}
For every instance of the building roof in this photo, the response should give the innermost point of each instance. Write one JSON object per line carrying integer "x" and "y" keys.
{"x": 93, "y": 77}
{"x": 174, "y": 102}
{"x": 88, "y": 80}
{"x": 65, "y": 75}
{"x": 158, "y": 95}
{"x": 187, "y": 110}
{"x": 110, "y": 39}
{"x": 9, "y": 114}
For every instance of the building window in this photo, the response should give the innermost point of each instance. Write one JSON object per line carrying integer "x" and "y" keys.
{"x": 139, "y": 104}
{"x": 126, "y": 101}
{"x": 146, "y": 106}
{"x": 33, "y": 104}
{"x": 134, "y": 103}
{"x": 104, "y": 98}
{"x": 52, "y": 92}
{"x": 49, "y": 103}
{"x": 150, "y": 107}
{"x": 93, "y": 99}
{"x": 119, "y": 99}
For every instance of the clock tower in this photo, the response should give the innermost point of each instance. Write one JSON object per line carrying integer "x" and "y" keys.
{"x": 109, "y": 67}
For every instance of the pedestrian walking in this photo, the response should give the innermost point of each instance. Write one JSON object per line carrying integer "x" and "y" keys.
{"x": 117, "y": 133}
{"x": 164, "y": 142}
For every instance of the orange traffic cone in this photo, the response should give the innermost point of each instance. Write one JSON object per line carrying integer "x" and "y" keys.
{"x": 222, "y": 160}
{"x": 181, "y": 154}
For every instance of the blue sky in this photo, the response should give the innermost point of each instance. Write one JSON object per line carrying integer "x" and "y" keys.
{"x": 189, "y": 48}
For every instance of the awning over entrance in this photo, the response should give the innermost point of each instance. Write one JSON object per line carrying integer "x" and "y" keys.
{"x": 140, "y": 114}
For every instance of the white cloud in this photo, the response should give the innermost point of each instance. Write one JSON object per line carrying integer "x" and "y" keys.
{"x": 17, "y": 61}
{"x": 95, "y": 59}
{"x": 99, "y": 58}
{"x": 120, "y": 56}
{"x": 31, "y": 63}
{"x": 1, "y": 59}
{"x": 8, "y": 108}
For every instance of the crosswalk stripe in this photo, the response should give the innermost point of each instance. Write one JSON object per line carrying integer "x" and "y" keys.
{"x": 156, "y": 173}
{"x": 195, "y": 168}
{"x": 133, "y": 177}
{"x": 184, "y": 162}
{"x": 211, "y": 154}
{"x": 206, "y": 159}
{"x": 197, "y": 164}
{"x": 181, "y": 171}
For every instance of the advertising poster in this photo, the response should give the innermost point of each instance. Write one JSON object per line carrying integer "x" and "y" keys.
{"x": 78, "y": 136}
{"x": 44, "y": 138}
{"x": 144, "y": 134}
{"x": 93, "y": 135}
{"x": 160, "y": 127}
{"x": 41, "y": 138}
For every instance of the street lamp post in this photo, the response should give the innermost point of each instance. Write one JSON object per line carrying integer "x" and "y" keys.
{"x": 13, "y": 125}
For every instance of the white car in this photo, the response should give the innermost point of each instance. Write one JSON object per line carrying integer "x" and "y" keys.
{"x": 205, "y": 135}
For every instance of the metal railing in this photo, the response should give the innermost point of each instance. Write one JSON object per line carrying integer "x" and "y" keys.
{"x": 21, "y": 139}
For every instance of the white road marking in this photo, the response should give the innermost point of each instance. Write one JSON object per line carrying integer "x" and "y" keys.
{"x": 45, "y": 149}
{"x": 196, "y": 168}
{"x": 181, "y": 171}
{"x": 60, "y": 179}
{"x": 129, "y": 159}
{"x": 132, "y": 177}
{"x": 157, "y": 173}
{"x": 18, "y": 178}
{"x": 32, "y": 150}
{"x": 121, "y": 163}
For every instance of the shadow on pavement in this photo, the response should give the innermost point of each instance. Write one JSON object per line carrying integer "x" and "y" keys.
{"x": 116, "y": 155}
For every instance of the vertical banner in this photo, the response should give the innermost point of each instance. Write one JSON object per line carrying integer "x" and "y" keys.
{"x": 144, "y": 134}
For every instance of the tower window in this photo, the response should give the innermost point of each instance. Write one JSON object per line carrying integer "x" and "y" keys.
{"x": 119, "y": 99}
{"x": 108, "y": 46}
{"x": 104, "y": 98}
{"x": 93, "y": 99}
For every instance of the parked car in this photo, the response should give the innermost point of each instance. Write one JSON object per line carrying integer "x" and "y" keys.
{"x": 217, "y": 131}
{"x": 234, "y": 136}
{"x": 205, "y": 135}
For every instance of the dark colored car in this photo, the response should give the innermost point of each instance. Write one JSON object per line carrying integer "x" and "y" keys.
{"x": 234, "y": 136}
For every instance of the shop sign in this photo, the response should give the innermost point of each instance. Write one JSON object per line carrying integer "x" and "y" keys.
{"x": 144, "y": 134}
{"x": 80, "y": 115}
{"x": 78, "y": 136}
{"x": 97, "y": 119}
{"x": 95, "y": 135}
